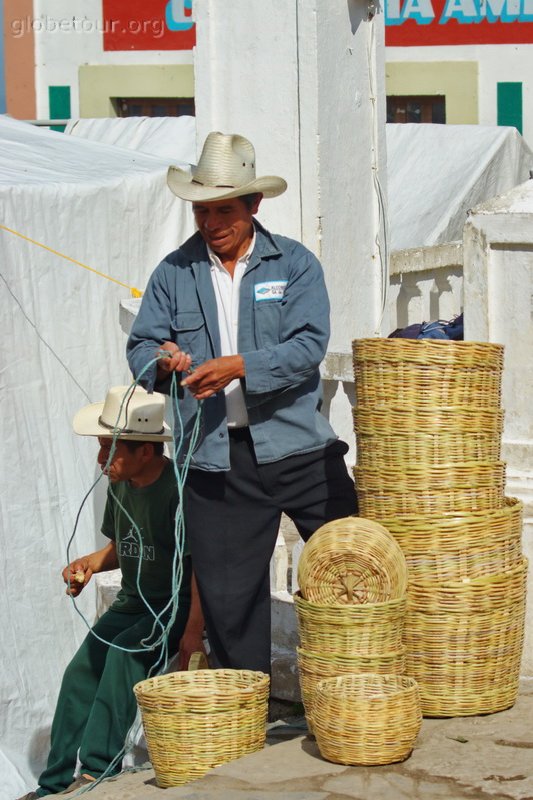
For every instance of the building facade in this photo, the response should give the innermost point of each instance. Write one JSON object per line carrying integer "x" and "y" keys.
{"x": 98, "y": 58}
{"x": 460, "y": 62}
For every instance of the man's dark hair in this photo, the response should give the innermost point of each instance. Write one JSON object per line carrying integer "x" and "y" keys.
{"x": 134, "y": 444}
{"x": 250, "y": 199}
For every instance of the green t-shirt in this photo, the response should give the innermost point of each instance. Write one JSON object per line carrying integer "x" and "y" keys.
{"x": 153, "y": 509}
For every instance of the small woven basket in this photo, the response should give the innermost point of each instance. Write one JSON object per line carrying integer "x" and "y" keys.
{"x": 350, "y": 561}
{"x": 366, "y": 719}
{"x": 422, "y": 372}
{"x": 466, "y": 663}
{"x": 368, "y": 629}
{"x": 314, "y": 667}
{"x": 466, "y": 545}
{"x": 194, "y": 721}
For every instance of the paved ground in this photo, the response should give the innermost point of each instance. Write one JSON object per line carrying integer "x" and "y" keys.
{"x": 468, "y": 757}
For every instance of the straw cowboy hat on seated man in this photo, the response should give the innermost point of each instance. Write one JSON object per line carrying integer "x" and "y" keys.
{"x": 244, "y": 316}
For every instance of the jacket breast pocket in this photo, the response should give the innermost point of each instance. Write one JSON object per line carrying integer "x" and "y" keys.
{"x": 268, "y": 322}
{"x": 190, "y": 334}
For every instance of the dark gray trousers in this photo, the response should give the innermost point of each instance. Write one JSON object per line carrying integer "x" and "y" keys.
{"x": 232, "y": 522}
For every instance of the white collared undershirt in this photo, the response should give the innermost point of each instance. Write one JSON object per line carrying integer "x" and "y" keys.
{"x": 227, "y": 293}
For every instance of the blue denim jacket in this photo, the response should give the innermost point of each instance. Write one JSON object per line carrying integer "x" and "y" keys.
{"x": 283, "y": 335}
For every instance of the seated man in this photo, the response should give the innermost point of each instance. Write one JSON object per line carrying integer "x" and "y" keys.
{"x": 96, "y": 705}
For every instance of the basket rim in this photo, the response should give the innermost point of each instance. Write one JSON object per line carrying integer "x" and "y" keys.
{"x": 334, "y": 657}
{"x": 352, "y": 608}
{"x": 396, "y": 408}
{"x": 477, "y": 581}
{"x": 188, "y": 679}
{"x": 398, "y": 342}
{"x": 422, "y": 470}
{"x": 404, "y": 683}
{"x": 452, "y": 518}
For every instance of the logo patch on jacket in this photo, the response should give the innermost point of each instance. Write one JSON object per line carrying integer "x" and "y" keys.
{"x": 270, "y": 290}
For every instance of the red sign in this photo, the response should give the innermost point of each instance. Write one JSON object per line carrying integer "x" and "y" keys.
{"x": 153, "y": 25}
{"x": 419, "y": 23}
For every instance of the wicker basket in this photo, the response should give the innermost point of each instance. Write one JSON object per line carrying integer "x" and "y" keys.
{"x": 432, "y": 491}
{"x": 314, "y": 667}
{"x": 466, "y": 545}
{"x": 194, "y": 721}
{"x": 374, "y": 452}
{"x": 470, "y": 595}
{"x": 366, "y": 719}
{"x": 392, "y": 437}
{"x": 352, "y": 560}
{"x": 466, "y": 663}
{"x": 369, "y": 629}
{"x": 415, "y": 372}
{"x": 389, "y": 421}
{"x": 402, "y": 480}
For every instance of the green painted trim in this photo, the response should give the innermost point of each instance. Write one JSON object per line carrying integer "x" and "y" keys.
{"x": 509, "y": 103}
{"x": 59, "y": 105}
{"x": 100, "y": 83}
{"x": 456, "y": 80}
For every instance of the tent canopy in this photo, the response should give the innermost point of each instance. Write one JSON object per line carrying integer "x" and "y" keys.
{"x": 172, "y": 138}
{"x": 436, "y": 173}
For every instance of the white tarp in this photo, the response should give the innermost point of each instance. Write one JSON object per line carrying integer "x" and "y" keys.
{"x": 167, "y": 137}
{"x": 60, "y": 347}
{"x": 435, "y": 173}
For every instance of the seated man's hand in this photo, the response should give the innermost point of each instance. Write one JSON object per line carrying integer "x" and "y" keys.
{"x": 213, "y": 375}
{"x": 77, "y": 574}
{"x": 191, "y": 642}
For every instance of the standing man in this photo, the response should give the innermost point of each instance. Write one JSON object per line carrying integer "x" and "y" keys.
{"x": 244, "y": 316}
{"x": 96, "y": 705}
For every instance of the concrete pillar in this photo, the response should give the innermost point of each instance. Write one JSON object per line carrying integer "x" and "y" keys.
{"x": 498, "y": 292}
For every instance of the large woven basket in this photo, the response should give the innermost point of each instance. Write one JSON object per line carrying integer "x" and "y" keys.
{"x": 403, "y": 437}
{"x": 366, "y": 719}
{"x": 466, "y": 663}
{"x": 465, "y": 545}
{"x": 352, "y": 560}
{"x": 314, "y": 667}
{"x": 368, "y": 629}
{"x": 399, "y": 480}
{"x": 415, "y": 372}
{"x": 389, "y": 420}
{"x": 430, "y": 490}
{"x": 470, "y": 595}
{"x": 194, "y": 721}
{"x": 373, "y": 452}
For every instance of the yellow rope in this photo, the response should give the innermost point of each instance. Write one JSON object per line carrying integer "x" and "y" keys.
{"x": 134, "y": 292}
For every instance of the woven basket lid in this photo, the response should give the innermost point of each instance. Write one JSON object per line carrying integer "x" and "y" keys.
{"x": 351, "y": 561}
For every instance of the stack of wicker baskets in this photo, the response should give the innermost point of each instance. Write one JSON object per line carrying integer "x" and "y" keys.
{"x": 351, "y": 604}
{"x": 428, "y": 424}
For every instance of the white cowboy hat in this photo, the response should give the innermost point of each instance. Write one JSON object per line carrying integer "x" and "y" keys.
{"x": 225, "y": 169}
{"x": 141, "y": 417}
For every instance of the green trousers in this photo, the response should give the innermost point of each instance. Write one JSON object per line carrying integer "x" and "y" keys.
{"x": 96, "y": 705}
